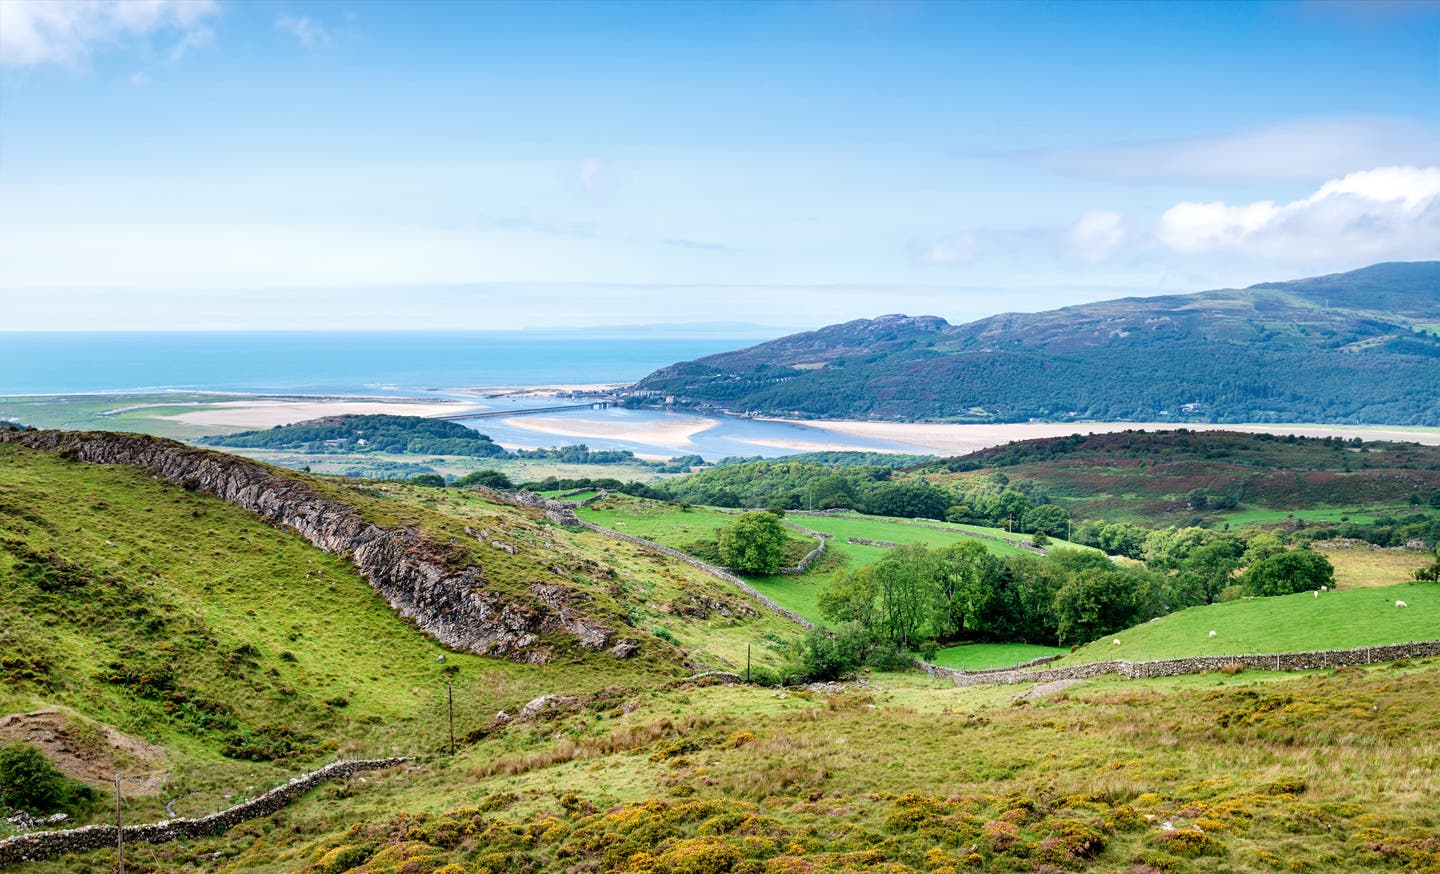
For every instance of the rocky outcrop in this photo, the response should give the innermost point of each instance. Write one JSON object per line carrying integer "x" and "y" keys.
{"x": 438, "y": 586}
{"x": 37, "y": 846}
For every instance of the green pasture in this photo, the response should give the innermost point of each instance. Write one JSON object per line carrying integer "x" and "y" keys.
{"x": 1340, "y": 619}
{"x": 983, "y": 656}
{"x": 1361, "y": 515}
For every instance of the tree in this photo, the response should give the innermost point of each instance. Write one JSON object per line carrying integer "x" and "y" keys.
{"x": 1089, "y": 605}
{"x": 753, "y": 544}
{"x": 434, "y": 480}
{"x": 1299, "y": 570}
{"x": 850, "y": 599}
{"x": 905, "y": 581}
{"x": 1049, "y": 519}
{"x": 965, "y": 569}
{"x": 491, "y": 479}
{"x": 30, "y": 782}
{"x": 1122, "y": 538}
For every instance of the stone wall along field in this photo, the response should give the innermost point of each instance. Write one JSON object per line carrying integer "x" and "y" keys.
{"x": 1280, "y": 661}
{"x": 37, "y": 846}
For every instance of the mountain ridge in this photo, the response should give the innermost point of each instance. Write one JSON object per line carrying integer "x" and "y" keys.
{"x": 1271, "y": 352}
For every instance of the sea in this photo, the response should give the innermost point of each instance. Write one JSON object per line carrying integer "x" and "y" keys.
{"x": 417, "y": 365}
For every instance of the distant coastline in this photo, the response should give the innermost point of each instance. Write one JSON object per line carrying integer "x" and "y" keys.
{"x": 650, "y": 432}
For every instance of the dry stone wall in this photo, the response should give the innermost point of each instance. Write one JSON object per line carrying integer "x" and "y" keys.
{"x": 436, "y": 585}
{"x": 1281, "y": 661}
{"x": 37, "y": 846}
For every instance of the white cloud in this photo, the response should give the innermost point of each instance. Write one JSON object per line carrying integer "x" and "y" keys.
{"x": 1301, "y": 150}
{"x": 957, "y": 249}
{"x": 310, "y": 33}
{"x": 66, "y": 32}
{"x": 1388, "y": 212}
{"x": 1097, "y": 235}
{"x": 593, "y": 176}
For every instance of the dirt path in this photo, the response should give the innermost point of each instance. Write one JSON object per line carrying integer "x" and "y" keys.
{"x": 1040, "y": 690}
{"x": 91, "y": 754}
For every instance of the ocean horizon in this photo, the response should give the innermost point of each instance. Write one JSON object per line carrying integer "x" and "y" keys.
{"x": 384, "y": 363}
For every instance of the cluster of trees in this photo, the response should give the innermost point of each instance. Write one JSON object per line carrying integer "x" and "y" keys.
{"x": 417, "y": 435}
{"x": 1383, "y": 531}
{"x": 414, "y": 435}
{"x": 917, "y": 598}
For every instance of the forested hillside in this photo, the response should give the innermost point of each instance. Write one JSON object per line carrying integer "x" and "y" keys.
{"x": 1359, "y": 347}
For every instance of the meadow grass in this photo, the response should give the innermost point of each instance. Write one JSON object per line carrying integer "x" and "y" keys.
{"x": 982, "y": 656}
{"x": 1329, "y": 771}
{"x": 1360, "y": 515}
{"x": 1369, "y": 567}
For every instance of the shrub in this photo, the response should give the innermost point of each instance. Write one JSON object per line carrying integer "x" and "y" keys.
{"x": 30, "y": 782}
{"x": 342, "y": 859}
{"x": 1190, "y": 843}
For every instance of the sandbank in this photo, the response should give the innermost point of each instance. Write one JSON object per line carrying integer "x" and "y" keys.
{"x": 955, "y": 439}
{"x": 675, "y": 431}
{"x": 268, "y": 413}
{"x": 535, "y": 391}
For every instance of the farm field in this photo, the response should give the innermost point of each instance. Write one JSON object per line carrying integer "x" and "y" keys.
{"x": 678, "y": 528}
{"x": 1338, "y": 619}
{"x": 983, "y": 656}
{"x": 1361, "y": 567}
{"x": 1263, "y": 516}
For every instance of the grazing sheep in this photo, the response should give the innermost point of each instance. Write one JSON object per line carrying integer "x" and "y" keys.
{"x": 1324, "y": 588}
{"x": 1212, "y": 634}
{"x": 1116, "y": 641}
{"x": 1401, "y": 604}
{"x": 1316, "y": 594}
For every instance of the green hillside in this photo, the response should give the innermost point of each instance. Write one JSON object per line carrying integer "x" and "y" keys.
{"x": 246, "y": 655}
{"x": 1303, "y": 351}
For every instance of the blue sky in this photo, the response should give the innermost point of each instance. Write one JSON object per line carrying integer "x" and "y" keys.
{"x": 371, "y": 165}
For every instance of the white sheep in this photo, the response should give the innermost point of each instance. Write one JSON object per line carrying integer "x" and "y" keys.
{"x": 1324, "y": 588}
{"x": 1212, "y": 634}
{"x": 1116, "y": 641}
{"x": 1401, "y": 604}
{"x": 1316, "y": 594}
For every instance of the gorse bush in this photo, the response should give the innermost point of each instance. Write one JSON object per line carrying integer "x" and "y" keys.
{"x": 30, "y": 782}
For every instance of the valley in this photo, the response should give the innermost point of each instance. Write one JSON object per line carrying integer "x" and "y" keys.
{"x": 238, "y": 655}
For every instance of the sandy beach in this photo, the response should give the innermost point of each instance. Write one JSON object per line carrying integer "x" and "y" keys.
{"x": 674, "y": 431}
{"x": 944, "y": 439}
{"x": 535, "y": 391}
{"x": 267, "y": 413}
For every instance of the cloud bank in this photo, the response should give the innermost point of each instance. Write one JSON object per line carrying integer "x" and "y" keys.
{"x": 35, "y": 33}
{"x": 1387, "y": 212}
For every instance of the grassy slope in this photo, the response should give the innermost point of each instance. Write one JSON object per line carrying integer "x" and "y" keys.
{"x": 184, "y": 582}
{"x": 1329, "y": 772}
{"x": 1338, "y": 619}
{"x": 980, "y": 656}
{"x": 1320, "y": 773}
